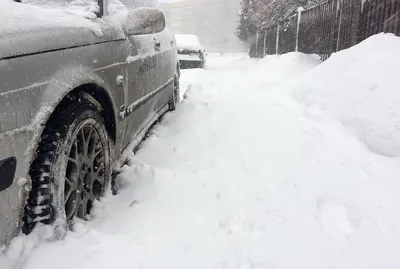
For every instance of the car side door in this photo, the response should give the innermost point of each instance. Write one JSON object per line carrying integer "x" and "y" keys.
{"x": 141, "y": 78}
{"x": 167, "y": 62}
{"x": 140, "y": 83}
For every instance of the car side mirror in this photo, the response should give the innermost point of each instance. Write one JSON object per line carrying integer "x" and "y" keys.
{"x": 144, "y": 21}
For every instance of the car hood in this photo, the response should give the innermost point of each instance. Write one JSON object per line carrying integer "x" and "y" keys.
{"x": 188, "y": 43}
{"x": 27, "y": 29}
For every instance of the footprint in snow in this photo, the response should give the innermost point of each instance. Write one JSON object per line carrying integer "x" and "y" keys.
{"x": 336, "y": 217}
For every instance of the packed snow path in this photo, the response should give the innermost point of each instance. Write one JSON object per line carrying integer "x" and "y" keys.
{"x": 241, "y": 176}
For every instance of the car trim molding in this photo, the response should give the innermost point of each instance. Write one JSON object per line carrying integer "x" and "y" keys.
{"x": 124, "y": 112}
{"x": 59, "y": 49}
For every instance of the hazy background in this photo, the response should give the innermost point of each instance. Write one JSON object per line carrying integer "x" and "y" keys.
{"x": 213, "y": 21}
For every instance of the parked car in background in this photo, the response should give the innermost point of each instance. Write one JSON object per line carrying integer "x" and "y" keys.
{"x": 191, "y": 53}
{"x": 75, "y": 91}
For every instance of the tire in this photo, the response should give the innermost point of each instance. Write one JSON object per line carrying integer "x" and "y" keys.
{"x": 72, "y": 166}
{"x": 174, "y": 101}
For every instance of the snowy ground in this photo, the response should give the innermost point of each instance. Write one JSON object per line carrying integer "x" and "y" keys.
{"x": 277, "y": 163}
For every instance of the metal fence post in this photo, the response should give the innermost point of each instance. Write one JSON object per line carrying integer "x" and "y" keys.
{"x": 340, "y": 9}
{"x": 277, "y": 39}
{"x": 333, "y": 24}
{"x": 265, "y": 41}
{"x": 298, "y": 27}
{"x": 257, "y": 44}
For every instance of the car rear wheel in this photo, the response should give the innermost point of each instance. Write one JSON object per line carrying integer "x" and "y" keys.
{"x": 72, "y": 167}
{"x": 173, "y": 103}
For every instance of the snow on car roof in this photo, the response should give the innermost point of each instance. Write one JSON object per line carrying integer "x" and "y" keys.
{"x": 33, "y": 14}
{"x": 188, "y": 42}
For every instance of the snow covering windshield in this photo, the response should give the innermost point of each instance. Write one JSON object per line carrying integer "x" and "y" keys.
{"x": 186, "y": 42}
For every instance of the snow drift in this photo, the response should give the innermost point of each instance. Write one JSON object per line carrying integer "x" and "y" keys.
{"x": 360, "y": 86}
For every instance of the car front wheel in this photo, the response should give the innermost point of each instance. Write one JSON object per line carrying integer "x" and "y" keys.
{"x": 72, "y": 166}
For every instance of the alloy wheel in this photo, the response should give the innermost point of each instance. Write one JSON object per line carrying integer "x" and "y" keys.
{"x": 85, "y": 177}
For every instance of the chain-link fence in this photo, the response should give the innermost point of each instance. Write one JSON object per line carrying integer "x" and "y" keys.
{"x": 329, "y": 27}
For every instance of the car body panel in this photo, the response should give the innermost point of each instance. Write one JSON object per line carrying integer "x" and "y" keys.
{"x": 36, "y": 75}
{"x": 156, "y": 68}
{"x": 142, "y": 60}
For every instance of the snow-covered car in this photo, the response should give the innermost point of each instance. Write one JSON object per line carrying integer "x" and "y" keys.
{"x": 78, "y": 87}
{"x": 191, "y": 53}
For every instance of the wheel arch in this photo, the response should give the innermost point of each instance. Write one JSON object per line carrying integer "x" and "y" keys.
{"x": 98, "y": 96}
{"x": 71, "y": 81}
{"x": 94, "y": 92}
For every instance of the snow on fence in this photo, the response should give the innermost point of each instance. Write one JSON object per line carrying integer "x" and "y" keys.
{"x": 287, "y": 35}
{"x": 329, "y": 27}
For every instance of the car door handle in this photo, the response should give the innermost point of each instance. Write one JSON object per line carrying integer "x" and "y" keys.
{"x": 157, "y": 44}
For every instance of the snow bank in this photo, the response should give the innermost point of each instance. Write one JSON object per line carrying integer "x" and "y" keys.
{"x": 270, "y": 70}
{"x": 188, "y": 42}
{"x": 279, "y": 68}
{"x": 360, "y": 87}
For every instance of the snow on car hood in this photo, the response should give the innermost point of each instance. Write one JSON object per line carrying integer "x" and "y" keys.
{"x": 188, "y": 42}
{"x": 30, "y": 27}
{"x": 23, "y": 18}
